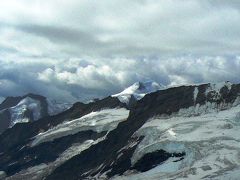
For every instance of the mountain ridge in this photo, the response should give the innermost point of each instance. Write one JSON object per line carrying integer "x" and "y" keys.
{"x": 137, "y": 91}
{"x": 30, "y": 107}
{"x": 114, "y": 151}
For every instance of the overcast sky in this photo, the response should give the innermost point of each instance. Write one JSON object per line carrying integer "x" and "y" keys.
{"x": 78, "y": 49}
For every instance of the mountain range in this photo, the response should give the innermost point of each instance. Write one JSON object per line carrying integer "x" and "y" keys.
{"x": 147, "y": 131}
{"x": 27, "y": 108}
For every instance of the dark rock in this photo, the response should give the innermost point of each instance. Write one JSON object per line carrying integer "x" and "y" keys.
{"x": 5, "y": 120}
{"x": 151, "y": 160}
{"x": 112, "y": 155}
{"x": 13, "y": 101}
{"x": 23, "y": 157}
{"x": 106, "y": 152}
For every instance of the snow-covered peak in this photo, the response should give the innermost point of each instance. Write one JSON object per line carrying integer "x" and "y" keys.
{"x": 18, "y": 112}
{"x": 30, "y": 107}
{"x": 138, "y": 90}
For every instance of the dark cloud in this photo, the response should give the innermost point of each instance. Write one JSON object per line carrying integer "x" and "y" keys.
{"x": 60, "y": 34}
{"x": 78, "y": 79}
{"x": 79, "y": 49}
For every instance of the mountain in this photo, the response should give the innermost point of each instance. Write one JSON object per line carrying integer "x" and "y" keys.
{"x": 137, "y": 91}
{"x": 30, "y": 107}
{"x": 185, "y": 132}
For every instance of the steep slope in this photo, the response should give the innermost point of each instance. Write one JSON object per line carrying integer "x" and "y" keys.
{"x": 210, "y": 143}
{"x": 27, "y": 108}
{"x": 116, "y": 154}
{"x": 25, "y": 145}
{"x": 186, "y": 132}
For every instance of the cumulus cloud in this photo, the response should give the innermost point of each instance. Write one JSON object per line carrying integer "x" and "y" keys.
{"x": 79, "y": 49}
{"x": 89, "y": 78}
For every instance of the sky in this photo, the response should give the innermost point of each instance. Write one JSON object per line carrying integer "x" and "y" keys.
{"x": 76, "y": 50}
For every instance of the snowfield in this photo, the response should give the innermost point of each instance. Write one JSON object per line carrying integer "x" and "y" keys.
{"x": 210, "y": 140}
{"x": 198, "y": 142}
{"x": 104, "y": 120}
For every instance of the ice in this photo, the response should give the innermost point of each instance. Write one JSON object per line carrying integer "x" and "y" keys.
{"x": 104, "y": 120}
{"x": 210, "y": 140}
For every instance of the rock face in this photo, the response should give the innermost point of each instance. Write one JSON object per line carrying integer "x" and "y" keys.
{"x": 188, "y": 132}
{"x": 5, "y": 118}
{"x": 28, "y": 108}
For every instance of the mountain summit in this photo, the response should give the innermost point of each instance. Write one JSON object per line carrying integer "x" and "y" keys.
{"x": 137, "y": 91}
{"x": 27, "y": 108}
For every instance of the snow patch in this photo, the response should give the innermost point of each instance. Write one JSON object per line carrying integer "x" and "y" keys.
{"x": 216, "y": 87}
{"x": 208, "y": 107}
{"x": 104, "y": 120}
{"x": 171, "y": 132}
{"x": 195, "y": 94}
{"x": 41, "y": 171}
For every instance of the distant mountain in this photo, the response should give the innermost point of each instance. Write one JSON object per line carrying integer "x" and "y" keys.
{"x": 28, "y": 108}
{"x": 185, "y": 132}
{"x": 137, "y": 91}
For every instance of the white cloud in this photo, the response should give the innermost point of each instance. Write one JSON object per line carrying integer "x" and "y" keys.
{"x": 81, "y": 79}
{"x": 79, "y": 48}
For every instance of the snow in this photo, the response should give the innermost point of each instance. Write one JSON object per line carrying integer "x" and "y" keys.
{"x": 104, "y": 120}
{"x": 55, "y": 107}
{"x": 17, "y": 112}
{"x": 138, "y": 90}
{"x": 195, "y": 94}
{"x": 211, "y": 142}
{"x": 2, "y": 174}
{"x": 216, "y": 87}
{"x": 33, "y": 105}
{"x": 40, "y": 171}
{"x": 208, "y": 107}
{"x": 171, "y": 132}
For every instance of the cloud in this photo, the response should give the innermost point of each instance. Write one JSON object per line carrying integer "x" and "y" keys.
{"x": 79, "y": 49}
{"x": 135, "y": 28}
{"x": 79, "y": 79}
